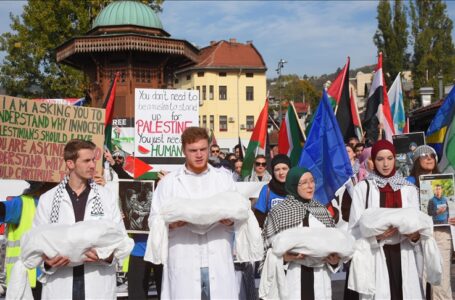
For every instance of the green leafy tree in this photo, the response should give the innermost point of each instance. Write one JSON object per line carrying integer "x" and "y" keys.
{"x": 391, "y": 37}
{"x": 432, "y": 41}
{"x": 295, "y": 89}
{"x": 29, "y": 68}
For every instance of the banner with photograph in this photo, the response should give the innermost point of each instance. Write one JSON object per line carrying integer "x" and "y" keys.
{"x": 33, "y": 135}
{"x": 135, "y": 202}
{"x": 405, "y": 144}
{"x": 437, "y": 197}
{"x": 160, "y": 118}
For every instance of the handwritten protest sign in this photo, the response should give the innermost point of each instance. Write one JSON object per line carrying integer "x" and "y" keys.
{"x": 33, "y": 135}
{"x": 160, "y": 118}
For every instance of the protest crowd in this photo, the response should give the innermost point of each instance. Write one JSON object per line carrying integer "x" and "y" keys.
{"x": 257, "y": 222}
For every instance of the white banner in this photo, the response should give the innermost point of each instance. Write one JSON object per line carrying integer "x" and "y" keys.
{"x": 160, "y": 118}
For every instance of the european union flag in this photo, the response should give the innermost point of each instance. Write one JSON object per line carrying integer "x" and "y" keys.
{"x": 324, "y": 153}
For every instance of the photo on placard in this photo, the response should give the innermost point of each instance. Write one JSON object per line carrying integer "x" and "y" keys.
{"x": 405, "y": 145}
{"x": 437, "y": 197}
{"x": 135, "y": 204}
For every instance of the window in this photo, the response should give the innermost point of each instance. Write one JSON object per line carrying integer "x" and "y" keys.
{"x": 222, "y": 74}
{"x": 204, "y": 121}
{"x": 249, "y": 93}
{"x": 198, "y": 88}
{"x": 249, "y": 123}
{"x": 188, "y": 77}
{"x": 204, "y": 92}
{"x": 212, "y": 122}
{"x": 223, "y": 92}
{"x": 223, "y": 123}
{"x": 200, "y": 74}
{"x": 211, "y": 92}
{"x": 249, "y": 75}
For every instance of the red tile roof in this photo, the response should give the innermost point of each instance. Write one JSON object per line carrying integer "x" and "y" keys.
{"x": 226, "y": 54}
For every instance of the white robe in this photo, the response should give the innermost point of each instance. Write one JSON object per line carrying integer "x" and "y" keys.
{"x": 59, "y": 282}
{"x": 411, "y": 256}
{"x": 188, "y": 251}
{"x": 322, "y": 280}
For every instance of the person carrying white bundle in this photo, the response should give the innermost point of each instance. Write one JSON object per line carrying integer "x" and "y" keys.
{"x": 78, "y": 198}
{"x": 71, "y": 241}
{"x": 198, "y": 266}
{"x": 299, "y": 209}
{"x": 369, "y": 260}
{"x": 401, "y": 276}
{"x": 315, "y": 244}
{"x": 201, "y": 215}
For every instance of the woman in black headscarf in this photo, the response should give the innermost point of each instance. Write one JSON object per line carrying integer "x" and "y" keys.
{"x": 300, "y": 209}
{"x": 274, "y": 192}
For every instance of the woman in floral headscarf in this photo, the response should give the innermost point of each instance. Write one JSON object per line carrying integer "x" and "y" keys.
{"x": 386, "y": 188}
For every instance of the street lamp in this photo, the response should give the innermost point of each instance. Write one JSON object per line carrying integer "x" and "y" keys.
{"x": 278, "y": 71}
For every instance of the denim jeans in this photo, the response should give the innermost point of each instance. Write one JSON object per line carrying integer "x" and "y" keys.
{"x": 205, "y": 284}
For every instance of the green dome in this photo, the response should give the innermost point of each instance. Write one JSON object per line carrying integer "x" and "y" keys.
{"x": 127, "y": 13}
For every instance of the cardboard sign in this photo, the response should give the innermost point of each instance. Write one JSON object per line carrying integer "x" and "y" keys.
{"x": 160, "y": 118}
{"x": 33, "y": 135}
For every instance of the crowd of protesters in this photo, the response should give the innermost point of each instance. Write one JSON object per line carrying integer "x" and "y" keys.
{"x": 204, "y": 265}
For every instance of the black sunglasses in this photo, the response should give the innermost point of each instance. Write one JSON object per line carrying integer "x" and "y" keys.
{"x": 116, "y": 157}
{"x": 260, "y": 164}
{"x": 215, "y": 151}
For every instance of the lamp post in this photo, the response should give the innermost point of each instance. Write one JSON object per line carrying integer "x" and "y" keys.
{"x": 278, "y": 70}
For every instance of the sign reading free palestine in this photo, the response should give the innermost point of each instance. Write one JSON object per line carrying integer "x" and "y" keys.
{"x": 160, "y": 118}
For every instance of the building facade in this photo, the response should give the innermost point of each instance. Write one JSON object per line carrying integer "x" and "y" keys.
{"x": 231, "y": 80}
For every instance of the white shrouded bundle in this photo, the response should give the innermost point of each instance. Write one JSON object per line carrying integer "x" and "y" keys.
{"x": 375, "y": 221}
{"x": 201, "y": 215}
{"x": 315, "y": 243}
{"x": 71, "y": 241}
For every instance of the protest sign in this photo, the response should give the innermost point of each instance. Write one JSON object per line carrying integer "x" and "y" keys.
{"x": 437, "y": 197}
{"x": 135, "y": 198}
{"x": 160, "y": 118}
{"x": 405, "y": 144}
{"x": 33, "y": 135}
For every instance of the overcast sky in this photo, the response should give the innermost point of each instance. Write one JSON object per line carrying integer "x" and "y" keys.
{"x": 314, "y": 37}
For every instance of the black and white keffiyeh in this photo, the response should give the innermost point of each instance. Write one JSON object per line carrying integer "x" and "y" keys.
{"x": 97, "y": 207}
{"x": 396, "y": 181}
{"x": 290, "y": 213}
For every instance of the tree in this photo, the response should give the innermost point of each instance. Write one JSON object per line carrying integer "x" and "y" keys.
{"x": 432, "y": 41}
{"x": 29, "y": 68}
{"x": 391, "y": 37}
{"x": 295, "y": 89}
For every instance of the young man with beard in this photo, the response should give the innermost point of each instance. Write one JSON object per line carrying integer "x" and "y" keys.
{"x": 198, "y": 266}
{"x": 78, "y": 198}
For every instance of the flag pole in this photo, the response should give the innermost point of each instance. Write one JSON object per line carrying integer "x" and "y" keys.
{"x": 298, "y": 120}
{"x": 273, "y": 122}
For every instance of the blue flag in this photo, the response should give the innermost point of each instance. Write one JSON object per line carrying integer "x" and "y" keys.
{"x": 441, "y": 133}
{"x": 325, "y": 153}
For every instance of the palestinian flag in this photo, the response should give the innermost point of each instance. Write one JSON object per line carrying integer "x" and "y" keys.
{"x": 109, "y": 106}
{"x": 355, "y": 117}
{"x": 257, "y": 142}
{"x": 338, "y": 93}
{"x": 290, "y": 138}
{"x": 378, "y": 107}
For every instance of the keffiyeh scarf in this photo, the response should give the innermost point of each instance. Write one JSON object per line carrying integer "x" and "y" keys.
{"x": 97, "y": 207}
{"x": 396, "y": 181}
{"x": 290, "y": 213}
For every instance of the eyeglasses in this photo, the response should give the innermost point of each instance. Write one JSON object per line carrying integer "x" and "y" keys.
{"x": 117, "y": 157}
{"x": 306, "y": 182}
{"x": 260, "y": 164}
{"x": 215, "y": 151}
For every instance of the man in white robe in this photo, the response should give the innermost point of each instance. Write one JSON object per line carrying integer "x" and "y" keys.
{"x": 198, "y": 266}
